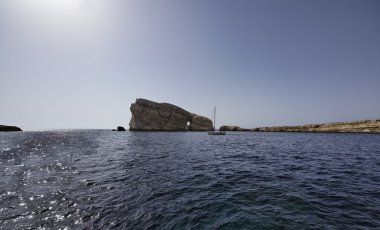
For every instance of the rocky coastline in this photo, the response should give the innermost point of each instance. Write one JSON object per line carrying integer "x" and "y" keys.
{"x": 362, "y": 126}
{"x": 7, "y": 128}
{"x": 153, "y": 116}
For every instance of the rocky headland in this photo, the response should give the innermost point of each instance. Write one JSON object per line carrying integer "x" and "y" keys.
{"x": 153, "y": 116}
{"x": 6, "y": 128}
{"x": 363, "y": 126}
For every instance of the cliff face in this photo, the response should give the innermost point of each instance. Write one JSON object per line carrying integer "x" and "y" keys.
{"x": 365, "y": 126}
{"x": 5, "y": 128}
{"x": 152, "y": 116}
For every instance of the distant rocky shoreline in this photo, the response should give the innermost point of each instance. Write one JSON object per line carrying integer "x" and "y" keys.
{"x": 363, "y": 126}
{"x": 7, "y": 128}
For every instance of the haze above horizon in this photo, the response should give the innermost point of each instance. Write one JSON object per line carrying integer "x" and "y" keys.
{"x": 80, "y": 64}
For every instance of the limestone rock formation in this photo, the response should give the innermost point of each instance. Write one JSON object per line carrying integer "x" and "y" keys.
{"x": 152, "y": 116}
{"x": 200, "y": 123}
{"x": 6, "y": 128}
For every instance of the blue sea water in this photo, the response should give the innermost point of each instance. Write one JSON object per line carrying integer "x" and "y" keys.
{"x": 83, "y": 179}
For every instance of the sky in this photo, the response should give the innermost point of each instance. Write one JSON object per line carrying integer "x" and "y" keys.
{"x": 73, "y": 64}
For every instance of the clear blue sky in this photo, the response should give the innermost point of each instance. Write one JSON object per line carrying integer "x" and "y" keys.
{"x": 81, "y": 63}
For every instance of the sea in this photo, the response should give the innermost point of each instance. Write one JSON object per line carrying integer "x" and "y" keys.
{"x": 99, "y": 179}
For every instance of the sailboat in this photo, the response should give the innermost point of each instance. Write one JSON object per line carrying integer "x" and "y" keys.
{"x": 214, "y": 132}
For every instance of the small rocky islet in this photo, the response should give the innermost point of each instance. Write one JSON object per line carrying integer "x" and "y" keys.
{"x": 7, "y": 128}
{"x": 119, "y": 129}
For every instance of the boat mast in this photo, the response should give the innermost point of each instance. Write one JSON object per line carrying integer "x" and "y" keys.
{"x": 214, "y": 117}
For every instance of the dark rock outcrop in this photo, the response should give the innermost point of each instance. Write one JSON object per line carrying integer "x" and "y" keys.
{"x": 152, "y": 116}
{"x": 232, "y": 128}
{"x": 5, "y": 128}
{"x": 119, "y": 128}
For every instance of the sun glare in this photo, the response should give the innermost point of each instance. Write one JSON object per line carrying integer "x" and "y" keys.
{"x": 58, "y": 3}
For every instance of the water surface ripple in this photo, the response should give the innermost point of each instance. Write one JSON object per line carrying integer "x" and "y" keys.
{"x": 83, "y": 179}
